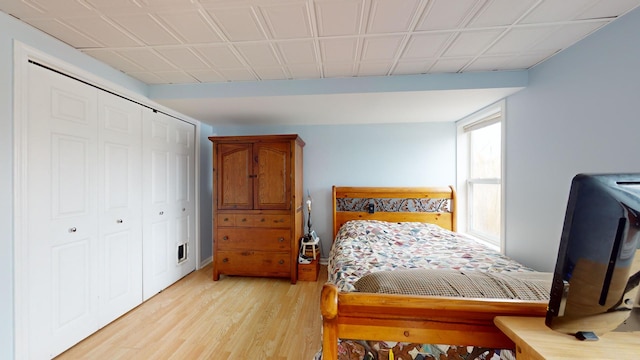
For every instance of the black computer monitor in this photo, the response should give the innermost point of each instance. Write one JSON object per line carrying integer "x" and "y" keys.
{"x": 595, "y": 282}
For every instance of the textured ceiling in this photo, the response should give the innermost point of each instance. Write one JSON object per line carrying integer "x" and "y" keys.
{"x": 218, "y": 41}
{"x": 186, "y": 41}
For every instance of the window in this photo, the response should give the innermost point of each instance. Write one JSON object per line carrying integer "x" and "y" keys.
{"x": 480, "y": 175}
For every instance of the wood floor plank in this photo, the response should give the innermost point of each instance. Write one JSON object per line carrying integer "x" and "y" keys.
{"x": 233, "y": 318}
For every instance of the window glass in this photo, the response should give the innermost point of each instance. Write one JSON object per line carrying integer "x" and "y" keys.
{"x": 485, "y": 210}
{"x": 479, "y": 175}
{"x": 485, "y": 152}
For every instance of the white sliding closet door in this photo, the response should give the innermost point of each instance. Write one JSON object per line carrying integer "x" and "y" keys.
{"x": 84, "y": 180}
{"x": 108, "y": 191}
{"x": 169, "y": 201}
{"x": 185, "y": 194}
{"x": 119, "y": 206}
{"x": 158, "y": 227}
{"x": 62, "y": 212}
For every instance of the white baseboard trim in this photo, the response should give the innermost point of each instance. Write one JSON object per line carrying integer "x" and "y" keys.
{"x": 205, "y": 262}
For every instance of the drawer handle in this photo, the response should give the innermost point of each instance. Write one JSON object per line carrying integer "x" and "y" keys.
{"x": 244, "y": 220}
{"x": 262, "y": 220}
{"x": 225, "y": 237}
{"x": 226, "y": 219}
{"x": 281, "y": 239}
{"x": 225, "y": 260}
{"x": 73, "y": 229}
{"x": 281, "y": 262}
{"x": 119, "y": 221}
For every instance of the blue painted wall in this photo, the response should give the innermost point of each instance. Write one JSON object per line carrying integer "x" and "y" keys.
{"x": 206, "y": 192}
{"x": 580, "y": 113}
{"x": 373, "y": 155}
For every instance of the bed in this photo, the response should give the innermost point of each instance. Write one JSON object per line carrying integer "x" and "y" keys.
{"x": 351, "y": 313}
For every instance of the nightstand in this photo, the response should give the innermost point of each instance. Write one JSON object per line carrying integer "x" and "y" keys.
{"x": 535, "y": 341}
{"x": 309, "y": 272}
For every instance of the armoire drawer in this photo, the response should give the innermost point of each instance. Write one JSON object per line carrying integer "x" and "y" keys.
{"x": 253, "y": 239}
{"x": 257, "y": 220}
{"x": 253, "y": 263}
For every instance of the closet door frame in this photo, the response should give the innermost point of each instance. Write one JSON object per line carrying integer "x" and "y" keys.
{"x": 22, "y": 55}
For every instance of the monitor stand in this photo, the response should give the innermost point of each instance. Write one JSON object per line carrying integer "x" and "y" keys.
{"x": 632, "y": 323}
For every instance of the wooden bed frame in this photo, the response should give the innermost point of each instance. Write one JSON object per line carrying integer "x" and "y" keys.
{"x": 446, "y": 220}
{"x": 415, "y": 319}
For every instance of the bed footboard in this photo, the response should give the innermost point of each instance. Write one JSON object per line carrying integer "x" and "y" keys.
{"x": 417, "y": 319}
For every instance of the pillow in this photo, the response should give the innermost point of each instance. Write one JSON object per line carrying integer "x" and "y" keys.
{"x": 442, "y": 282}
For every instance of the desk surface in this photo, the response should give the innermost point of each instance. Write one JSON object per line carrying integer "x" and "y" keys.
{"x": 535, "y": 341}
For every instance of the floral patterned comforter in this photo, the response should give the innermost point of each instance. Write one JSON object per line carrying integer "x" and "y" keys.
{"x": 366, "y": 246}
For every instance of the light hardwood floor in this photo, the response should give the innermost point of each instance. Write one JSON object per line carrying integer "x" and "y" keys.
{"x": 233, "y": 318}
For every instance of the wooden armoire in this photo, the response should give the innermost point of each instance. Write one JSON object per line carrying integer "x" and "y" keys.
{"x": 257, "y": 205}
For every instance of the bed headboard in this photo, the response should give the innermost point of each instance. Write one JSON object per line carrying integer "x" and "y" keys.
{"x": 435, "y": 205}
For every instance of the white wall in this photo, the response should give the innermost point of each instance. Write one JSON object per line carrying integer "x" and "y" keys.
{"x": 580, "y": 113}
{"x": 374, "y": 155}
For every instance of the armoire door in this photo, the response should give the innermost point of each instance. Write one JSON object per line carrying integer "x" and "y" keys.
{"x": 234, "y": 174}
{"x": 61, "y": 181}
{"x": 119, "y": 206}
{"x": 272, "y": 188}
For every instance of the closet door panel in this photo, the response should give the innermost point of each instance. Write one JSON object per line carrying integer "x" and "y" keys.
{"x": 159, "y": 228}
{"x": 183, "y": 179}
{"x": 120, "y": 201}
{"x": 159, "y": 251}
{"x": 183, "y": 242}
{"x": 61, "y": 208}
{"x": 72, "y": 249}
{"x": 71, "y": 281}
{"x": 160, "y": 178}
{"x": 72, "y": 178}
{"x": 182, "y": 238}
{"x": 118, "y": 282}
{"x": 156, "y": 259}
{"x": 185, "y": 195}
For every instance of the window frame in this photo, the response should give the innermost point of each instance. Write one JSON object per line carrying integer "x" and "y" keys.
{"x": 488, "y": 116}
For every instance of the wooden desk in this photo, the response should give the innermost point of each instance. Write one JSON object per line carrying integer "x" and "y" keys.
{"x": 535, "y": 341}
